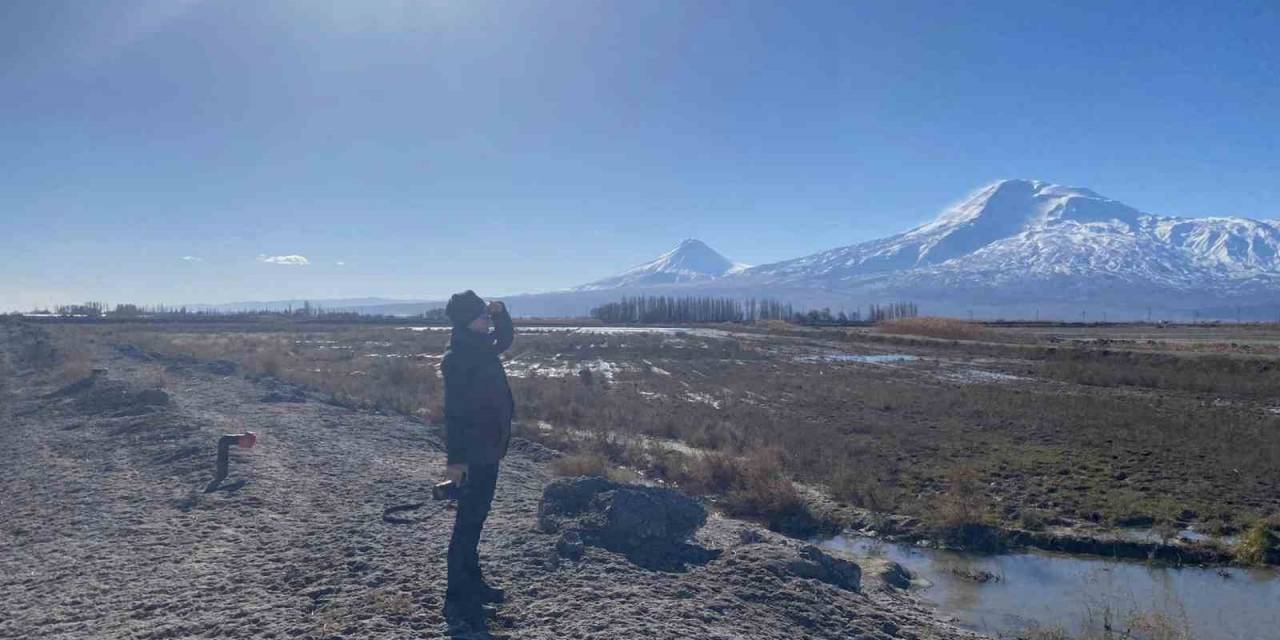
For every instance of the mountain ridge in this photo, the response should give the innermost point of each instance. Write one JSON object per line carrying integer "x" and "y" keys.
{"x": 1010, "y": 248}
{"x": 1016, "y": 231}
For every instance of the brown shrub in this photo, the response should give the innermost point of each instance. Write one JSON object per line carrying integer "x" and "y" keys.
{"x": 1260, "y": 543}
{"x": 713, "y": 473}
{"x": 962, "y": 514}
{"x": 580, "y": 464}
{"x": 934, "y": 327}
{"x": 74, "y": 364}
{"x": 761, "y": 486}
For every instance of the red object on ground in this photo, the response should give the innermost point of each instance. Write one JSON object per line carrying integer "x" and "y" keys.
{"x": 247, "y": 439}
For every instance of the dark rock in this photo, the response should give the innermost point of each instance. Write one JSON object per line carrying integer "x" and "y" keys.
{"x": 974, "y": 536}
{"x": 979, "y": 576}
{"x": 132, "y": 351}
{"x": 221, "y": 368}
{"x": 800, "y": 521}
{"x": 533, "y": 450}
{"x": 151, "y": 398}
{"x": 896, "y": 576}
{"x": 569, "y": 545}
{"x": 816, "y": 564}
{"x": 99, "y": 394}
{"x": 567, "y": 498}
{"x": 785, "y": 561}
{"x": 279, "y": 396}
{"x": 77, "y": 387}
{"x": 649, "y": 525}
{"x": 1135, "y": 520}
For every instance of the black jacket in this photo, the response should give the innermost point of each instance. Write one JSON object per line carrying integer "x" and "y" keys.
{"x": 477, "y": 399}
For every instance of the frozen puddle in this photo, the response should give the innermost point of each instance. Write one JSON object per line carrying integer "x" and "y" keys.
{"x": 979, "y": 376}
{"x": 880, "y": 358}
{"x": 1033, "y": 589}
{"x": 704, "y": 398}
{"x": 603, "y": 368}
{"x": 607, "y": 331}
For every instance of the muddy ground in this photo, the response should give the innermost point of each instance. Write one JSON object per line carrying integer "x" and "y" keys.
{"x": 106, "y": 531}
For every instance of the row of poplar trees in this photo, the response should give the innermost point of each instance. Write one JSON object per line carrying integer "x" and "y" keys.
{"x": 658, "y": 309}
{"x": 650, "y": 309}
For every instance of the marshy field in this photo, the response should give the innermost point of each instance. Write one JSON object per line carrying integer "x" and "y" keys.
{"x": 1121, "y": 446}
{"x": 1106, "y": 430}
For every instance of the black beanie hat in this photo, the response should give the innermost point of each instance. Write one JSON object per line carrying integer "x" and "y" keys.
{"x": 463, "y": 308}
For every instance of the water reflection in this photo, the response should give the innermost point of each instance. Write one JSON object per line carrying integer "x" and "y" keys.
{"x": 1036, "y": 588}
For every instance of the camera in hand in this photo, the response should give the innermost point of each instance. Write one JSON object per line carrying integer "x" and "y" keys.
{"x": 447, "y": 490}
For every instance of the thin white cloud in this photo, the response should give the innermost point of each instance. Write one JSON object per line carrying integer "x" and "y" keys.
{"x": 190, "y": 259}
{"x": 341, "y": 263}
{"x": 291, "y": 261}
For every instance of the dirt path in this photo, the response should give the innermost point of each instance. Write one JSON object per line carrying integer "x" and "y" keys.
{"x": 106, "y": 531}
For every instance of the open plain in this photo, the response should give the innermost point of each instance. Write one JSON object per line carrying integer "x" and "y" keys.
{"x": 1146, "y": 442}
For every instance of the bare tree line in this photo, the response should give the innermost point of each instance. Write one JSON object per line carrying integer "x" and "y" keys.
{"x": 691, "y": 309}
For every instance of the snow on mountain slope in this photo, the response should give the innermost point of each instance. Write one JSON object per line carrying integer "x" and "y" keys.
{"x": 1017, "y": 235}
{"x": 1015, "y": 247}
{"x": 993, "y": 213}
{"x": 690, "y": 261}
{"x": 1234, "y": 244}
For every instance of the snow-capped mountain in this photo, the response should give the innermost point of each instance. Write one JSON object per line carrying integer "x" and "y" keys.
{"x": 690, "y": 261}
{"x": 1031, "y": 241}
{"x": 1012, "y": 249}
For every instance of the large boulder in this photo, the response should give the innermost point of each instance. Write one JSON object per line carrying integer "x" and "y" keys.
{"x": 649, "y": 525}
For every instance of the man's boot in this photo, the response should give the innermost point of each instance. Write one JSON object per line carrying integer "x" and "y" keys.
{"x": 487, "y": 593}
{"x": 479, "y": 587}
{"x": 463, "y": 610}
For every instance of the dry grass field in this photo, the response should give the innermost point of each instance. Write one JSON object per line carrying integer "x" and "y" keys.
{"x": 1029, "y": 428}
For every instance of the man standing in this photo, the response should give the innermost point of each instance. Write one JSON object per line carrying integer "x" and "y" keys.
{"x": 478, "y": 408}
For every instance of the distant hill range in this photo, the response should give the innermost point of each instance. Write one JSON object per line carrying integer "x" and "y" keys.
{"x": 1013, "y": 249}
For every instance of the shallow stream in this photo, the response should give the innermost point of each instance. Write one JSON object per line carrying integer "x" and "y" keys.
{"x": 1024, "y": 590}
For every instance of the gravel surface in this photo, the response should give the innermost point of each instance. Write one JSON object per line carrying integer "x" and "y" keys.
{"x": 106, "y": 530}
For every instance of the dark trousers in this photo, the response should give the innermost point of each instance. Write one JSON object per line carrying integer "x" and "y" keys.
{"x": 473, "y": 507}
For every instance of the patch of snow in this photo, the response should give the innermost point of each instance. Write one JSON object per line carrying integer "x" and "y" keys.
{"x": 979, "y": 376}
{"x": 880, "y": 358}
{"x": 703, "y": 398}
{"x": 603, "y": 368}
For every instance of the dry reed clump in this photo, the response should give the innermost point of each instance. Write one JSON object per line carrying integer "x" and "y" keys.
{"x": 580, "y": 464}
{"x": 756, "y": 485}
{"x": 1260, "y": 544}
{"x": 74, "y": 363}
{"x": 1227, "y": 375}
{"x": 1168, "y": 621}
{"x": 962, "y": 514}
{"x": 935, "y": 327}
{"x": 775, "y": 326}
{"x": 591, "y": 463}
{"x": 351, "y": 377}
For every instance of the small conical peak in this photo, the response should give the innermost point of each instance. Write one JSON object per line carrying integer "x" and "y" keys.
{"x": 690, "y": 244}
{"x": 690, "y": 260}
{"x": 693, "y": 255}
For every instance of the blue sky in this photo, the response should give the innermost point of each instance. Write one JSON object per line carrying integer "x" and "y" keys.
{"x": 162, "y": 151}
